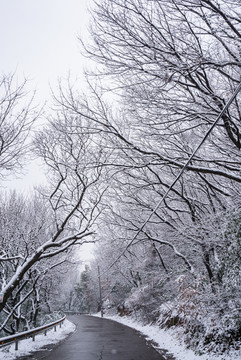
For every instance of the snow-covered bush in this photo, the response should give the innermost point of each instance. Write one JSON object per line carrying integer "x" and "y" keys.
{"x": 208, "y": 309}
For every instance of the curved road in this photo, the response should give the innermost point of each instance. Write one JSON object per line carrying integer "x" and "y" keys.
{"x": 101, "y": 339}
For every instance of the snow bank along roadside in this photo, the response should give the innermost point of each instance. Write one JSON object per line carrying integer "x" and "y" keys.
{"x": 25, "y": 347}
{"x": 169, "y": 340}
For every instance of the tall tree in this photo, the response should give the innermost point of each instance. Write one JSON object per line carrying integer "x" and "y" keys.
{"x": 71, "y": 205}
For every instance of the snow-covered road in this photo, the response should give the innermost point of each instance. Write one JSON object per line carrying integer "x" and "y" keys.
{"x": 167, "y": 340}
{"x": 170, "y": 340}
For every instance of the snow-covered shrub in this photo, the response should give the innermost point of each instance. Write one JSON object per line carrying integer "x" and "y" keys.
{"x": 49, "y": 318}
{"x": 143, "y": 302}
{"x": 185, "y": 310}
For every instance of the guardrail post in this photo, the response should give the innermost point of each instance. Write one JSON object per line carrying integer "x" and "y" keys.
{"x": 16, "y": 345}
{"x": 55, "y": 328}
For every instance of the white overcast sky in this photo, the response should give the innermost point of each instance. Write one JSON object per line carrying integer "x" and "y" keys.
{"x": 38, "y": 40}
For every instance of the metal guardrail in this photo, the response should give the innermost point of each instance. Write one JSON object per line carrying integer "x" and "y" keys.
{"x": 29, "y": 333}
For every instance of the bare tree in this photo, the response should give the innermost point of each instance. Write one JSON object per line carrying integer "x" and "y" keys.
{"x": 138, "y": 175}
{"x": 173, "y": 64}
{"x": 71, "y": 206}
{"x": 17, "y": 115}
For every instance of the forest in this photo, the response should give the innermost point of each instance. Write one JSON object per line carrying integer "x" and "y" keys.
{"x": 136, "y": 167}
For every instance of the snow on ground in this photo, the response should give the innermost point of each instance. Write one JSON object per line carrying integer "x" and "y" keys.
{"x": 168, "y": 340}
{"x": 25, "y": 347}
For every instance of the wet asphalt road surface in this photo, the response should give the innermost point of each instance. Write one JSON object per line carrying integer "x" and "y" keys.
{"x": 101, "y": 339}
